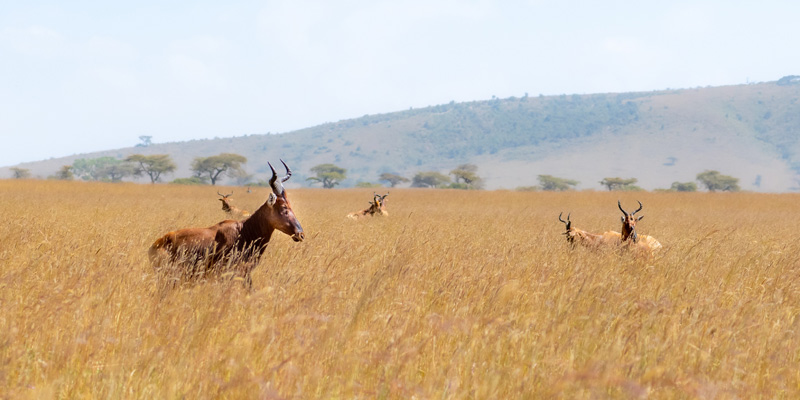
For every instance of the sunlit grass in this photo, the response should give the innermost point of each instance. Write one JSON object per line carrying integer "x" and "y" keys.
{"x": 456, "y": 294}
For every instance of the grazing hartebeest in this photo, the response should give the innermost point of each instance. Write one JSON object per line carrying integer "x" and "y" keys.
{"x": 230, "y": 244}
{"x": 588, "y": 239}
{"x": 229, "y": 208}
{"x": 643, "y": 242}
{"x": 376, "y": 206}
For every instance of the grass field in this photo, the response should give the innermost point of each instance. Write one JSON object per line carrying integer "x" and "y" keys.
{"x": 456, "y": 294}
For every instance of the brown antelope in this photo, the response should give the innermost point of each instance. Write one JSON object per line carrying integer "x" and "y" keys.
{"x": 644, "y": 242}
{"x": 376, "y": 207}
{"x": 237, "y": 245}
{"x": 588, "y": 239}
{"x": 230, "y": 209}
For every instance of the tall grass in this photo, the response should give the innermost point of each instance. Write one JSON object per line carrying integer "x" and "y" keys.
{"x": 456, "y": 294}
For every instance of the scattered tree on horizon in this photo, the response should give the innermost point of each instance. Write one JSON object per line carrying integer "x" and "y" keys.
{"x": 555, "y": 184}
{"x": 618, "y": 183}
{"x": 20, "y": 173}
{"x": 393, "y": 179}
{"x": 683, "y": 187}
{"x": 328, "y": 174}
{"x": 466, "y": 176}
{"x": 146, "y": 141}
{"x": 65, "y": 173}
{"x": 153, "y": 166}
{"x": 215, "y": 167}
{"x": 429, "y": 179}
{"x": 715, "y": 181}
{"x": 103, "y": 169}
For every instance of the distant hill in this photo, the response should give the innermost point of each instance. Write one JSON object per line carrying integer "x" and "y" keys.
{"x": 748, "y": 131}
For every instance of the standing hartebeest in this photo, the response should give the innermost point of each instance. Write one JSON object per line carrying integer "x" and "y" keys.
{"x": 237, "y": 245}
{"x": 228, "y": 207}
{"x": 588, "y": 239}
{"x": 644, "y": 242}
{"x": 376, "y": 206}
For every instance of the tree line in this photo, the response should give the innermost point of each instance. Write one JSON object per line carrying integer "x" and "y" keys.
{"x": 211, "y": 169}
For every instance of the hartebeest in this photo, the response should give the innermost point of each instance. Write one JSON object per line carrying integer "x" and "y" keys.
{"x": 644, "y": 242}
{"x": 235, "y": 246}
{"x": 588, "y": 239}
{"x": 230, "y": 209}
{"x": 376, "y": 207}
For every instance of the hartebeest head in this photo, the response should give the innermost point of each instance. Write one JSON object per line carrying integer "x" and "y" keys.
{"x": 568, "y": 224}
{"x": 629, "y": 222}
{"x": 281, "y": 216}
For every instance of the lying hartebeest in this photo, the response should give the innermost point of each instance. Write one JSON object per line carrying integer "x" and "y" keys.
{"x": 643, "y": 242}
{"x": 588, "y": 239}
{"x": 230, "y": 209}
{"x": 235, "y": 246}
{"x": 376, "y": 207}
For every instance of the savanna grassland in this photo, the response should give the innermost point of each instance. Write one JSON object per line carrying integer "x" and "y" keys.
{"x": 457, "y": 294}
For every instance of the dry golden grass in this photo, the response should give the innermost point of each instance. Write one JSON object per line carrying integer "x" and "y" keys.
{"x": 455, "y": 295}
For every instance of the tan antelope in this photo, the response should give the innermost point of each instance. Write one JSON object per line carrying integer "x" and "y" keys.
{"x": 645, "y": 243}
{"x": 588, "y": 239}
{"x": 230, "y": 209}
{"x": 229, "y": 246}
{"x": 376, "y": 207}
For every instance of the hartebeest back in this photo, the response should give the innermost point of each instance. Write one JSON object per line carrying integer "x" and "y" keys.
{"x": 230, "y": 209}
{"x": 629, "y": 235}
{"x": 235, "y": 244}
{"x": 376, "y": 207}
{"x": 588, "y": 239}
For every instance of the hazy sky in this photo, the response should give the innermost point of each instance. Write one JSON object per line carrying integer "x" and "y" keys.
{"x": 80, "y": 76}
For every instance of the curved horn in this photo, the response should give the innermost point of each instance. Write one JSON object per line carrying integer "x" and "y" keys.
{"x": 276, "y": 186}
{"x": 620, "y": 208}
{"x": 559, "y": 217}
{"x": 638, "y": 209}
{"x": 224, "y": 196}
{"x": 288, "y": 173}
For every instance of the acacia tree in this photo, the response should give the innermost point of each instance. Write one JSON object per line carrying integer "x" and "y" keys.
{"x": 683, "y": 187}
{"x": 20, "y": 173}
{"x": 153, "y": 166}
{"x": 328, "y": 174}
{"x": 215, "y": 167}
{"x": 102, "y": 169}
{"x": 65, "y": 173}
{"x": 619, "y": 183}
{"x": 552, "y": 183}
{"x": 393, "y": 179}
{"x": 466, "y": 176}
{"x": 429, "y": 179}
{"x": 714, "y": 181}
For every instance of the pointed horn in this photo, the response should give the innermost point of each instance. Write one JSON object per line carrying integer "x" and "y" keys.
{"x": 288, "y": 173}
{"x": 276, "y": 186}
{"x": 638, "y": 209}
{"x": 559, "y": 217}
{"x": 620, "y": 208}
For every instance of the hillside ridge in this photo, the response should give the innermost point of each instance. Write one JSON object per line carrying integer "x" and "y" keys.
{"x": 747, "y": 131}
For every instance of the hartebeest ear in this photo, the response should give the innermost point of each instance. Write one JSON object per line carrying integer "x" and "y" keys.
{"x": 271, "y": 199}
{"x": 640, "y": 218}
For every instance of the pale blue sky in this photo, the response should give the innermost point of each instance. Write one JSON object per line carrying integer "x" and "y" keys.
{"x": 81, "y": 76}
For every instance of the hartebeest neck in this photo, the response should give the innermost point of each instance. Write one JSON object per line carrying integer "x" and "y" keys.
{"x": 629, "y": 232}
{"x": 257, "y": 229}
